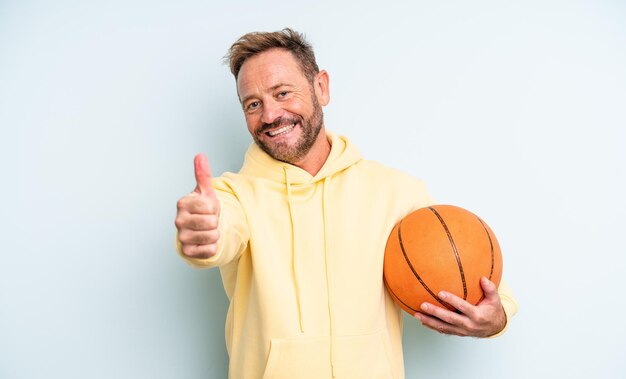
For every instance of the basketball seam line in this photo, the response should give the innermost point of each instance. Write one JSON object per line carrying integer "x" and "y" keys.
{"x": 454, "y": 249}
{"x": 396, "y": 296}
{"x": 406, "y": 258}
{"x": 490, "y": 245}
{"x": 492, "y": 252}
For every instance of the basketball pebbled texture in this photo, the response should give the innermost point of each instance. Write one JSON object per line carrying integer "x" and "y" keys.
{"x": 441, "y": 247}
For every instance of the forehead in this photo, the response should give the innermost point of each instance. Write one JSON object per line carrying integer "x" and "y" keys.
{"x": 268, "y": 69}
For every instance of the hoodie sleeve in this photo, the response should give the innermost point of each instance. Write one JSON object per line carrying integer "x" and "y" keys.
{"x": 509, "y": 304}
{"x": 233, "y": 230}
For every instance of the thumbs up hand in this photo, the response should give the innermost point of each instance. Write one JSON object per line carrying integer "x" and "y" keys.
{"x": 198, "y": 215}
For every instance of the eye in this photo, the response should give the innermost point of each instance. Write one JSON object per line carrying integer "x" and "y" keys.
{"x": 282, "y": 94}
{"x": 253, "y": 105}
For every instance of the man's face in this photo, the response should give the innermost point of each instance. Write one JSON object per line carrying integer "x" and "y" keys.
{"x": 281, "y": 107}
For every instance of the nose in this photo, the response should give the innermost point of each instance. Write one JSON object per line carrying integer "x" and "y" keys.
{"x": 271, "y": 111}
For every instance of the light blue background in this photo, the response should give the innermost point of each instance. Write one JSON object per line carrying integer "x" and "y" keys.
{"x": 516, "y": 110}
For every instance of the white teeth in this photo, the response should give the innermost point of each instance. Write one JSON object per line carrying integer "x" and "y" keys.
{"x": 284, "y": 129}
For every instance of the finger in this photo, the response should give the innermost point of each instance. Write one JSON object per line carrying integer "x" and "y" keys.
{"x": 443, "y": 314}
{"x": 195, "y": 203}
{"x": 201, "y": 222}
{"x": 196, "y": 222}
{"x": 191, "y": 237}
{"x": 202, "y": 171}
{"x": 200, "y": 251}
{"x": 458, "y": 303}
{"x": 439, "y": 325}
{"x": 489, "y": 289}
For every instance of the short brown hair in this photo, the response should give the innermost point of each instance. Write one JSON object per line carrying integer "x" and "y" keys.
{"x": 255, "y": 43}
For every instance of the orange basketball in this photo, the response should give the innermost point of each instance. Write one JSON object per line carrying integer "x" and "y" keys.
{"x": 442, "y": 247}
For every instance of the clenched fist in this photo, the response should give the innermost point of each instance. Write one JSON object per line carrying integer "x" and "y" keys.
{"x": 198, "y": 215}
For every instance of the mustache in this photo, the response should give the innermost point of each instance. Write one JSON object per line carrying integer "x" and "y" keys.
{"x": 279, "y": 122}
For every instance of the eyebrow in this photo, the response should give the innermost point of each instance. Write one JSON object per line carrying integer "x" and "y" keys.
{"x": 273, "y": 88}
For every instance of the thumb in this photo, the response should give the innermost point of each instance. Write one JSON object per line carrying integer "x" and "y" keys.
{"x": 489, "y": 288}
{"x": 203, "y": 175}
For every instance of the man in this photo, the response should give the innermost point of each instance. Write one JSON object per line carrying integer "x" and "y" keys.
{"x": 299, "y": 233}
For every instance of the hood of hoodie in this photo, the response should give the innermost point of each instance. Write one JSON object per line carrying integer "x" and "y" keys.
{"x": 343, "y": 154}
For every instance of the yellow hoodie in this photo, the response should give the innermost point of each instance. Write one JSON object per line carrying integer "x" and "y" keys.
{"x": 301, "y": 259}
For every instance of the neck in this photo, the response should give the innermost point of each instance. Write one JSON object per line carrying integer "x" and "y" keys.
{"x": 316, "y": 157}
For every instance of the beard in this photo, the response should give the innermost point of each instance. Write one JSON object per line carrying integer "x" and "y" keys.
{"x": 285, "y": 152}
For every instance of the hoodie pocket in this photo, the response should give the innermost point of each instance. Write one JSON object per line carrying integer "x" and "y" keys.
{"x": 307, "y": 358}
{"x": 360, "y": 356}
{"x": 364, "y": 356}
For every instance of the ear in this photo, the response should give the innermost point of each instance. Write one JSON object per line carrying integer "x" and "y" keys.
{"x": 322, "y": 89}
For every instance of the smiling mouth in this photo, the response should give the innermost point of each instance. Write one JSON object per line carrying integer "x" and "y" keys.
{"x": 282, "y": 130}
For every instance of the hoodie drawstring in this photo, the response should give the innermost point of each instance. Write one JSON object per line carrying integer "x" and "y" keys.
{"x": 328, "y": 281}
{"x": 294, "y": 261}
{"x": 294, "y": 265}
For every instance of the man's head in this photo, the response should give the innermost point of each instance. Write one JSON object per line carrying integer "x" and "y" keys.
{"x": 282, "y": 92}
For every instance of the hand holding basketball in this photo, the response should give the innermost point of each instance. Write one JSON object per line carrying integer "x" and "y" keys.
{"x": 198, "y": 215}
{"x": 482, "y": 320}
